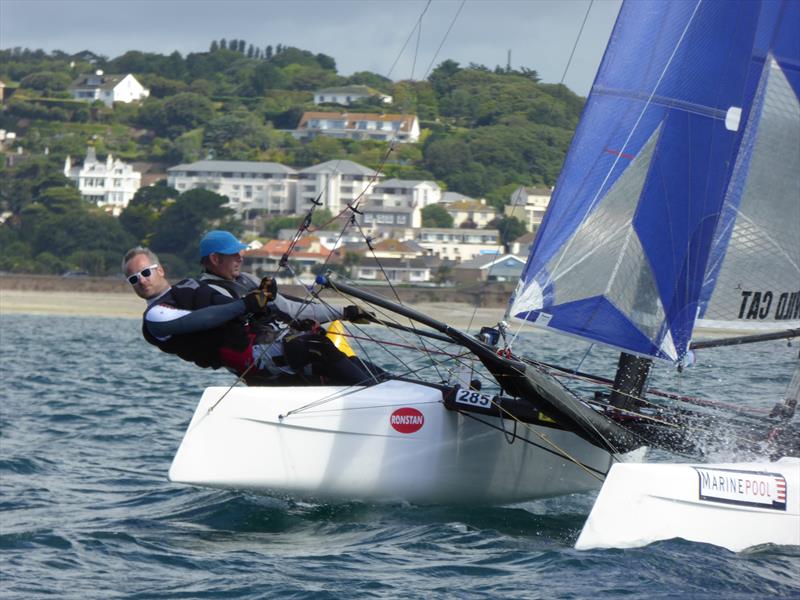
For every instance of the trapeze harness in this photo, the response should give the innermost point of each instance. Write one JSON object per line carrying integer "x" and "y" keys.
{"x": 219, "y": 336}
{"x": 173, "y": 323}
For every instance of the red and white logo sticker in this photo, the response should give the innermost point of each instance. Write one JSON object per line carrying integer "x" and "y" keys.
{"x": 407, "y": 420}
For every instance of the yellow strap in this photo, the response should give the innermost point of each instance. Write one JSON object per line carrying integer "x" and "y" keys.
{"x": 335, "y": 334}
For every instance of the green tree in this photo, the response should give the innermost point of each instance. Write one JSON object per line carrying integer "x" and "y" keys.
{"x": 182, "y": 223}
{"x": 236, "y": 136}
{"x": 140, "y": 216}
{"x": 379, "y": 82}
{"x": 319, "y": 149}
{"x": 510, "y": 228}
{"x": 266, "y": 76}
{"x": 435, "y": 215}
{"x": 188, "y": 147}
{"x": 46, "y": 82}
{"x": 186, "y": 111}
{"x": 441, "y": 78}
{"x": 443, "y": 274}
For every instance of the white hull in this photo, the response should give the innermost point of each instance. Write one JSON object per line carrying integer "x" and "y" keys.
{"x": 348, "y": 448}
{"x": 734, "y": 505}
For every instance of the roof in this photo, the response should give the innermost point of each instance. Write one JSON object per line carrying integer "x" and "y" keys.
{"x": 536, "y": 191}
{"x": 233, "y": 166}
{"x": 486, "y": 261}
{"x": 393, "y": 245}
{"x": 404, "y": 183}
{"x": 448, "y": 197}
{"x": 350, "y": 89}
{"x": 526, "y": 238}
{"x": 351, "y": 119}
{"x": 280, "y": 247}
{"x": 420, "y": 262}
{"x": 370, "y": 207}
{"x": 94, "y": 81}
{"x": 344, "y": 167}
{"x": 459, "y": 231}
{"x": 472, "y": 205}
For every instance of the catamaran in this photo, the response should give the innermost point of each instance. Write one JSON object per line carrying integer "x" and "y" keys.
{"x": 678, "y": 207}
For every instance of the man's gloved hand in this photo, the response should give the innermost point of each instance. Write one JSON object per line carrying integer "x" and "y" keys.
{"x": 270, "y": 287}
{"x": 354, "y": 314}
{"x": 256, "y": 301}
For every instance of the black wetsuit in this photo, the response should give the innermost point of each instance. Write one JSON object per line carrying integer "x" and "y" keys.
{"x": 202, "y": 321}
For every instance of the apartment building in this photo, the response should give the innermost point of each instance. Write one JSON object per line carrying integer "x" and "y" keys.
{"x": 359, "y": 126}
{"x": 529, "y": 205}
{"x": 398, "y": 203}
{"x": 458, "y": 244}
{"x": 267, "y": 187}
{"x": 474, "y": 213}
{"x": 335, "y": 183}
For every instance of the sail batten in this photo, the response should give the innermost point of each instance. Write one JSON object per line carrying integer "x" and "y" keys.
{"x": 668, "y": 196}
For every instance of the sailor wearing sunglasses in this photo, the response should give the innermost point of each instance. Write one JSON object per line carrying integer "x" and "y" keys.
{"x": 204, "y": 321}
{"x": 188, "y": 319}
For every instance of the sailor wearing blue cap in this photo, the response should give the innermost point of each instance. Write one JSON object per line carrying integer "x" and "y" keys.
{"x": 221, "y": 257}
{"x": 229, "y": 318}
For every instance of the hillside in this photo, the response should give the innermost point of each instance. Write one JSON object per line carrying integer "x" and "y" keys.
{"x": 484, "y": 133}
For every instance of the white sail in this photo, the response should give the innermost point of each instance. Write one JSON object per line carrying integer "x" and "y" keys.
{"x": 755, "y": 267}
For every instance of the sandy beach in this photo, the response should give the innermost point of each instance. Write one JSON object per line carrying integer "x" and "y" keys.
{"x": 99, "y": 304}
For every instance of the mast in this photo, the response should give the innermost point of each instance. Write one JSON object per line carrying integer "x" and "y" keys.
{"x": 629, "y": 381}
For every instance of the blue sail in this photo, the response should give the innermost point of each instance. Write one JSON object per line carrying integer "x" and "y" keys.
{"x": 623, "y": 254}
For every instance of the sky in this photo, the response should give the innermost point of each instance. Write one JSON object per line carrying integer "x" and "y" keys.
{"x": 381, "y": 36}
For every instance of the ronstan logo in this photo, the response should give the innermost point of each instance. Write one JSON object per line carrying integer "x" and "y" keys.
{"x": 407, "y": 420}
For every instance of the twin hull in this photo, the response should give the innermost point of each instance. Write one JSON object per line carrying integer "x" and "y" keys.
{"x": 392, "y": 441}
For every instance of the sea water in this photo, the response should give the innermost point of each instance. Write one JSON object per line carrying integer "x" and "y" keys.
{"x": 91, "y": 417}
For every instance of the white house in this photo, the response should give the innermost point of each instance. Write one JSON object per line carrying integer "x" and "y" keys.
{"x": 490, "y": 267}
{"x": 399, "y": 203}
{"x": 348, "y": 94}
{"x": 110, "y": 183}
{"x": 396, "y": 270}
{"x": 529, "y": 205}
{"x": 471, "y": 211}
{"x": 358, "y": 126}
{"x": 108, "y": 88}
{"x": 450, "y": 197}
{"x": 335, "y": 183}
{"x": 264, "y": 186}
{"x": 459, "y": 244}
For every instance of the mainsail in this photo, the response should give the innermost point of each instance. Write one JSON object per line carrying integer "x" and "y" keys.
{"x": 680, "y": 195}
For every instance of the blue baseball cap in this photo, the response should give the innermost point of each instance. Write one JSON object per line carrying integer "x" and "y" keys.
{"x": 220, "y": 242}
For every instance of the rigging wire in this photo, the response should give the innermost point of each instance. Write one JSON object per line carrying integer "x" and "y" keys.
{"x": 444, "y": 39}
{"x": 514, "y": 207}
{"x": 417, "y": 25}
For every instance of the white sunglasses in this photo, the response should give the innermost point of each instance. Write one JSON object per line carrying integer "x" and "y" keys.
{"x": 146, "y": 272}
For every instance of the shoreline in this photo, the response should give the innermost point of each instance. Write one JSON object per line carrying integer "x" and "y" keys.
{"x": 127, "y": 305}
